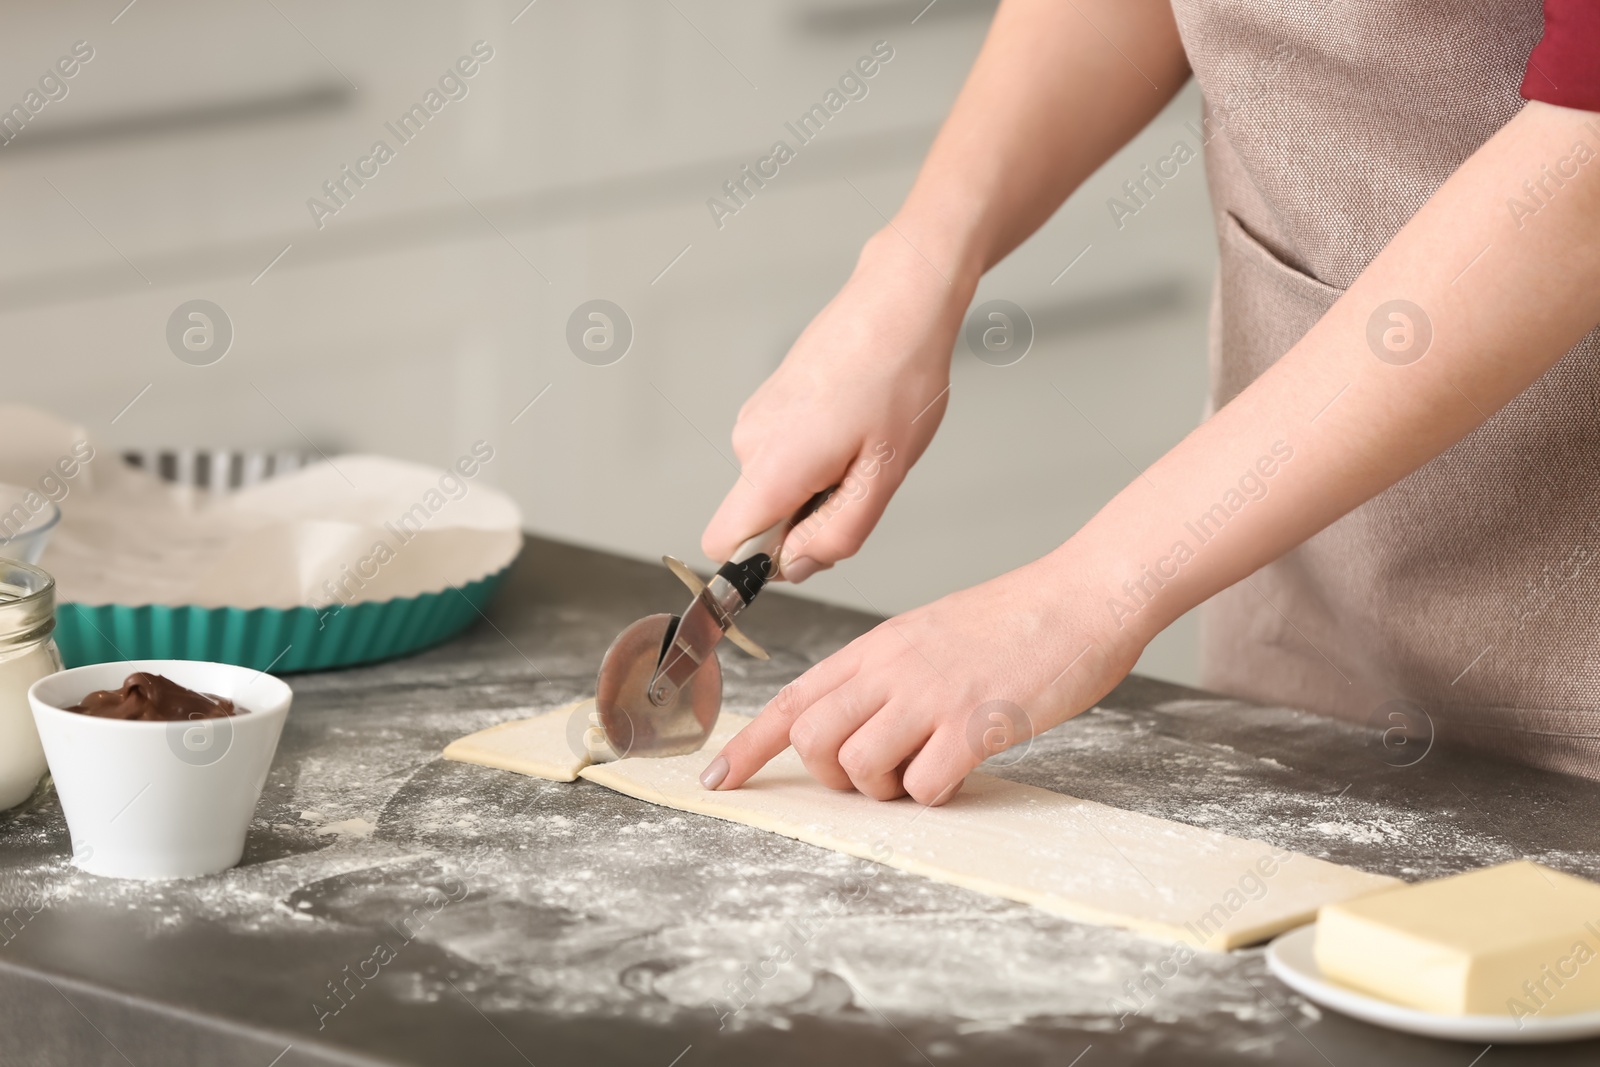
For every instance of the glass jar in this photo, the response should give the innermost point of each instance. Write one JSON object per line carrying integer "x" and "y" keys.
{"x": 27, "y": 653}
{"x": 26, "y": 519}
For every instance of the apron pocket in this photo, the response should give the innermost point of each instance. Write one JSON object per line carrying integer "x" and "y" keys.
{"x": 1265, "y": 307}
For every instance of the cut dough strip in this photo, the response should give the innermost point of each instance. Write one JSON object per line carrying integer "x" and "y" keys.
{"x": 1075, "y": 858}
{"x": 555, "y": 745}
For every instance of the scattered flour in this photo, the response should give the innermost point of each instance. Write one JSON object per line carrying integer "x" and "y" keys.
{"x": 578, "y": 901}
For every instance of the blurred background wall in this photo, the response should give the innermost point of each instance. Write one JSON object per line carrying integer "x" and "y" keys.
{"x": 431, "y": 309}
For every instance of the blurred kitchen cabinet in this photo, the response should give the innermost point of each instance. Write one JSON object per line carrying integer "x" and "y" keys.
{"x": 425, "y": 305}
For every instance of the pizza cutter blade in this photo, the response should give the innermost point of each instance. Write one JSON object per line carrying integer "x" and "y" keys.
{"x": 634, "y": 723}
{"x": 660, "y": 685}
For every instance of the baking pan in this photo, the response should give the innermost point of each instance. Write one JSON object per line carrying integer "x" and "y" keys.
{"x": 277, "y": 639}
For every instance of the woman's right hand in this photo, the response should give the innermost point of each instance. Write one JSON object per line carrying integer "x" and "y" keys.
{"x": 853, "y": 404}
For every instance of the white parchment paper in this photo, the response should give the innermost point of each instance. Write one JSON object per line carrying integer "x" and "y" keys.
{"x": 352, "y": 529}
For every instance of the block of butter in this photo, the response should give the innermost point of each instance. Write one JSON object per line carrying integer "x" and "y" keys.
{"x": 1518, "y": 939}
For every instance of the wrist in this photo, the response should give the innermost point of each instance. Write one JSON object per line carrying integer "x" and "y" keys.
{"x": 951, "y": 230}
{"x": 1117, "y": 598}
{"x": 912, "y": 252}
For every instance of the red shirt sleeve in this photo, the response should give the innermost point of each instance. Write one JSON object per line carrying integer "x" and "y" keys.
{"x": 1564, "y": 68}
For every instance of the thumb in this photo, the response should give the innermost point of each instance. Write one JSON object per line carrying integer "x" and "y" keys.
{"x": 767, "y": 490}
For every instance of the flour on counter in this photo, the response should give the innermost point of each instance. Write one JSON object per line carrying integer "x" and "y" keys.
{"x": 570, "y": 900}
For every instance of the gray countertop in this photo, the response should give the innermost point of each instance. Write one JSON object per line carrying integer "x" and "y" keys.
{"x": 393, "y": 908}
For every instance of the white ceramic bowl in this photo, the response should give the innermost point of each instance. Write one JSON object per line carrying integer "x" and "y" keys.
{"x": 159, "y": 800}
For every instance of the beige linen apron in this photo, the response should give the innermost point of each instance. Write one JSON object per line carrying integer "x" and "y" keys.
{"x": 1473, "y": 586}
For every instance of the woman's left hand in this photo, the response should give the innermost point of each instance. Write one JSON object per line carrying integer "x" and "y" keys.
{"x": 923, "y": 698}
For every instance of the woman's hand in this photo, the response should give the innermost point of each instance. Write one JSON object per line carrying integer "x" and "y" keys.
{"x": 923, "y": 698}
{"x": 854, "y": 404}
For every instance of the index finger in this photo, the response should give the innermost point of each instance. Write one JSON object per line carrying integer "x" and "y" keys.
{"x": 768, "y": 733}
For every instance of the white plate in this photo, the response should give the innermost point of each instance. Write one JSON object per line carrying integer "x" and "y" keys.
{"x": 1289, "y": 956}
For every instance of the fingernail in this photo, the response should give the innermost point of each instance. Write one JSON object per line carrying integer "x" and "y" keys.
{"x": 714, "y": 774}
{"x": 798, "y": 570}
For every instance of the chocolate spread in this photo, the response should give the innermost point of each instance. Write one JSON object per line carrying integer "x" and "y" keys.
{"x": 154, "y": 698}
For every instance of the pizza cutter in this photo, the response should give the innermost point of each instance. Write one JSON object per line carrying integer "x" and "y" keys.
{"x": 660, "y": 684}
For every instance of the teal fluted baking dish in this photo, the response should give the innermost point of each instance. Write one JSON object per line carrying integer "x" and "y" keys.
{"x": 282, "y": 640}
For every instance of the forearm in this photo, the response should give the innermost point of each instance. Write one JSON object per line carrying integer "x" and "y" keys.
{"x": 1506, "y": 297}
{"x": 1047, "y": 102}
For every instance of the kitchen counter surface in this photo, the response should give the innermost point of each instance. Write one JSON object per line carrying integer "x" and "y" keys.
{"x": 393, "y": 908}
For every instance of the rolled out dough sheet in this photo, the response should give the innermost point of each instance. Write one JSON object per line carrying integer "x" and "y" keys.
{"x": 1085, "y": 861}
